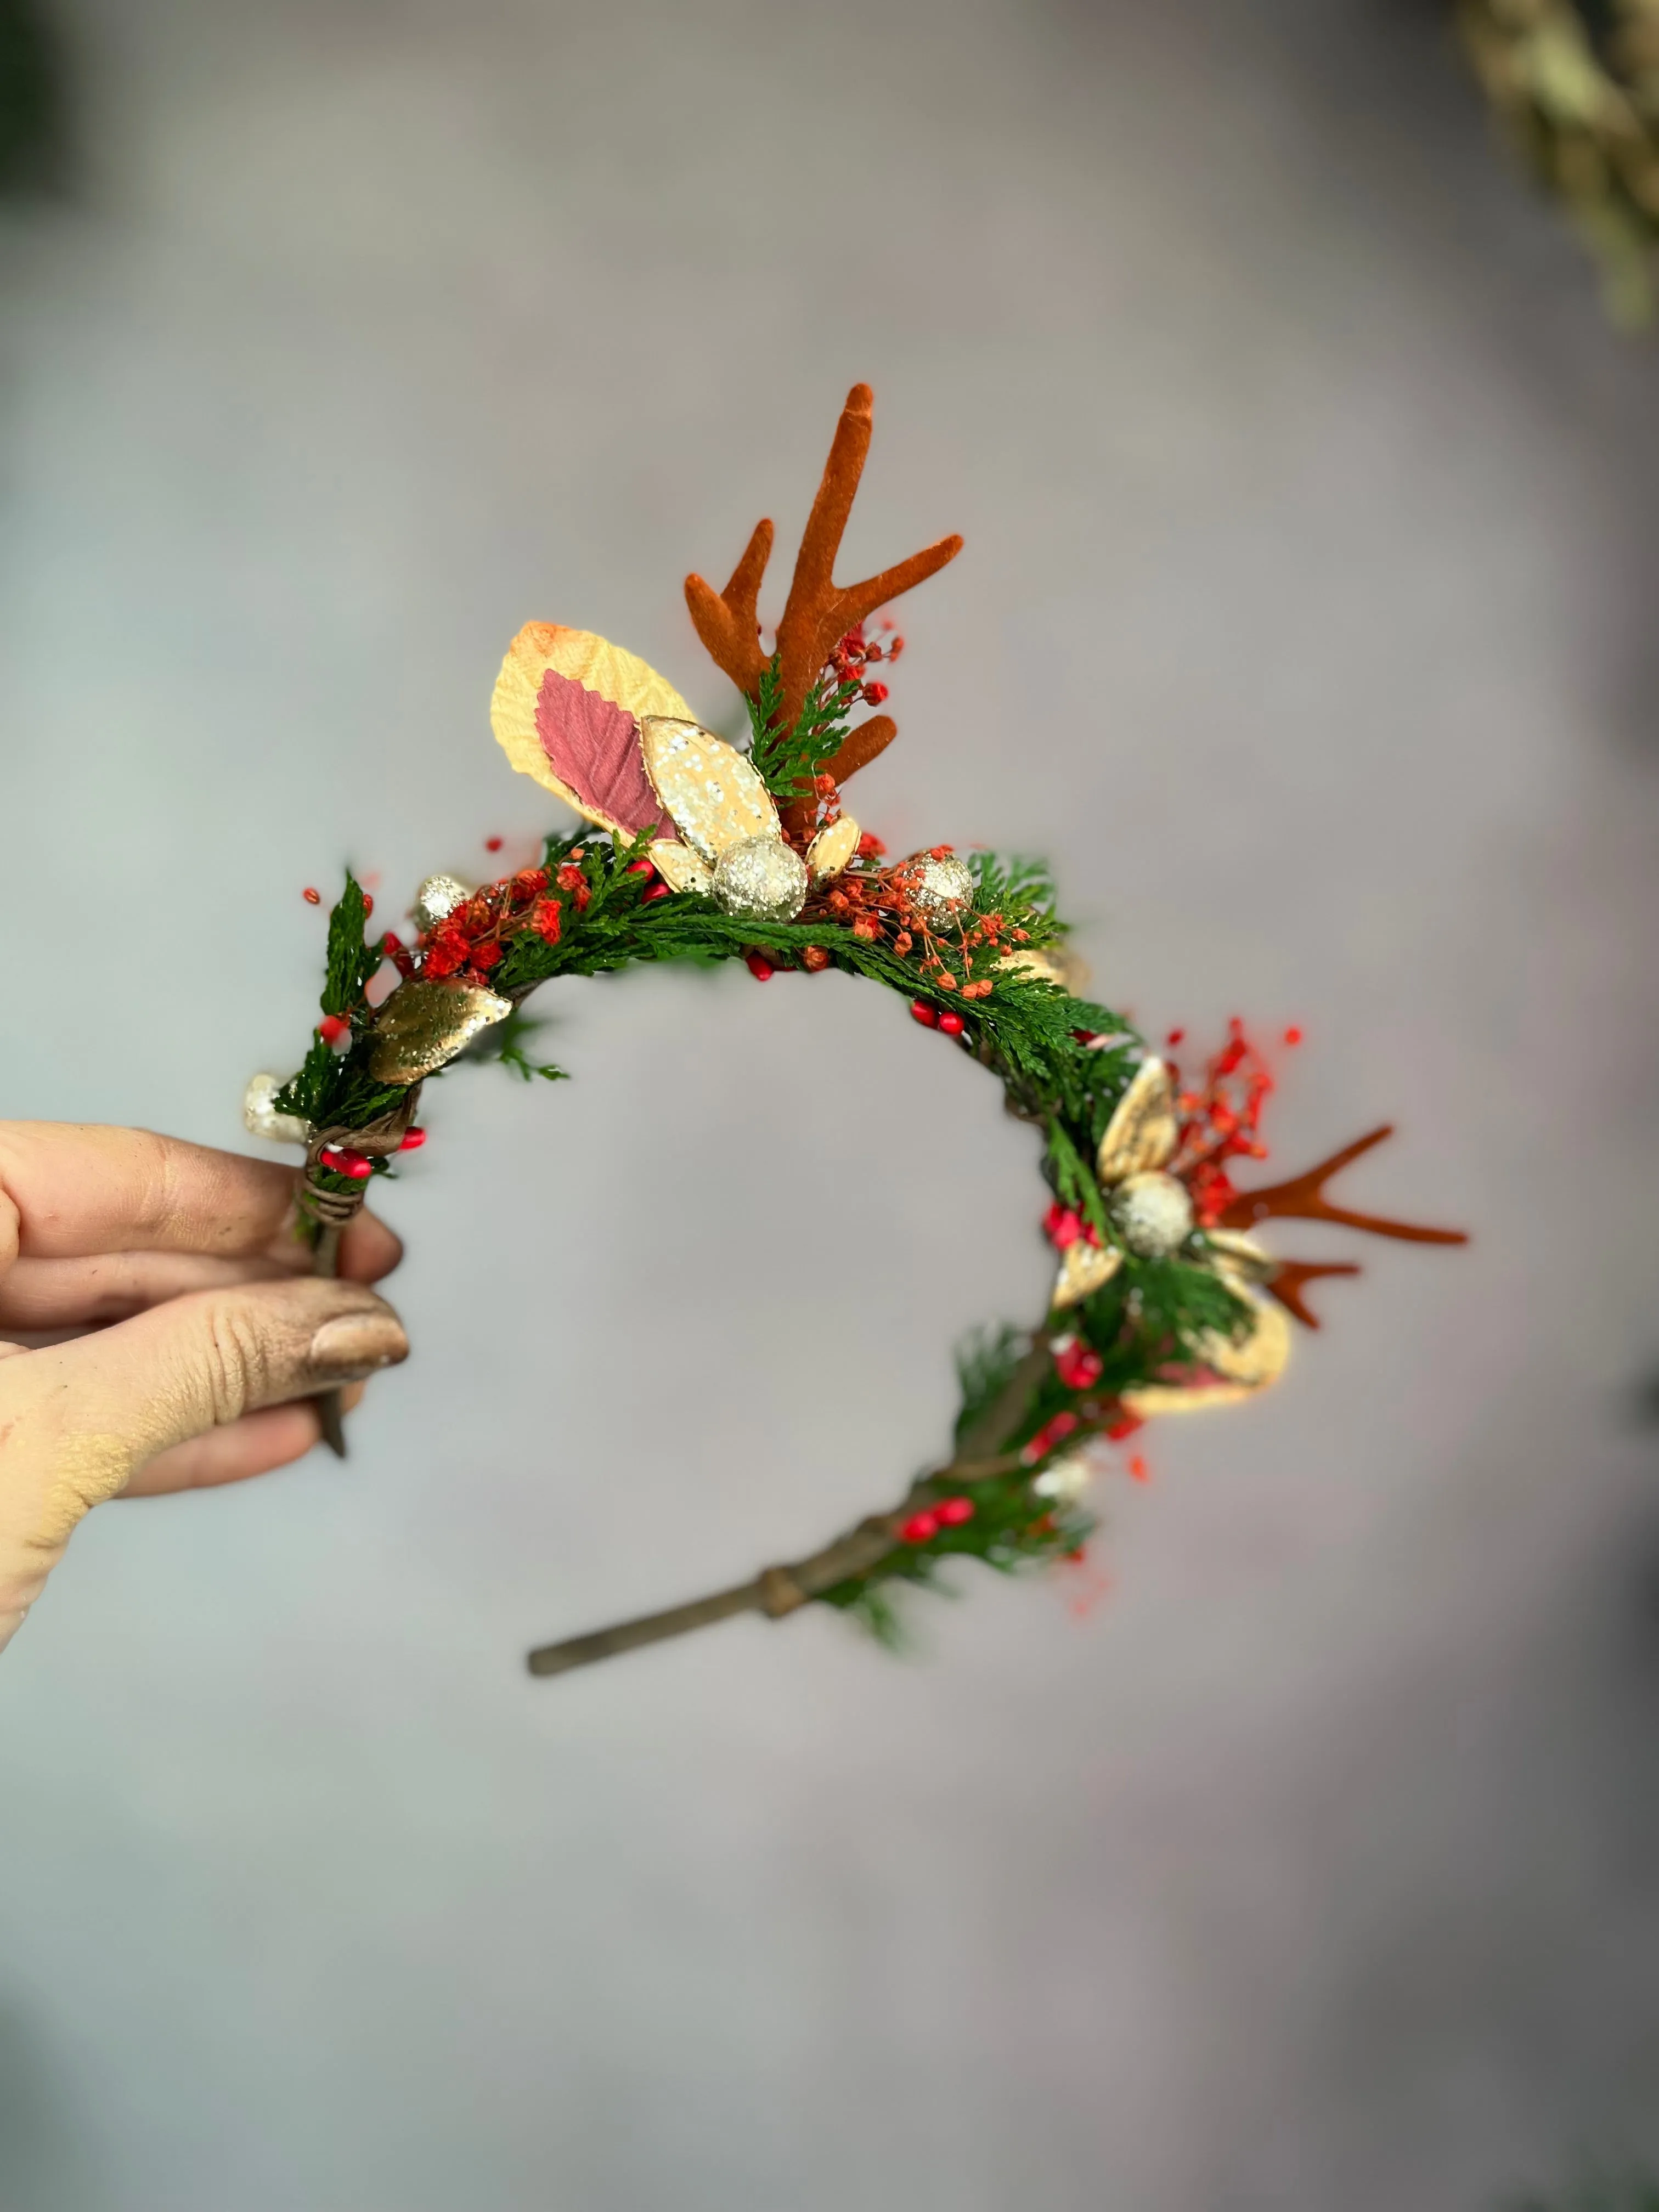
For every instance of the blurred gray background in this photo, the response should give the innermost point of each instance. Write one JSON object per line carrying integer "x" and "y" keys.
{"x": 1308, "y": 621}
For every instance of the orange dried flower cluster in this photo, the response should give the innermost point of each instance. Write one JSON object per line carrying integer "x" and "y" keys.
{"x": 878, "y": 904}
{"x": 1220, "y": 1121}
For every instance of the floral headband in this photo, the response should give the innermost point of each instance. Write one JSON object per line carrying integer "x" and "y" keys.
{"x": 697, "y": 849}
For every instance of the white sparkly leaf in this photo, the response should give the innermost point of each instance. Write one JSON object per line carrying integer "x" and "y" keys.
{"x": 716, "y": 797}
{"x": 260, "y": 1117}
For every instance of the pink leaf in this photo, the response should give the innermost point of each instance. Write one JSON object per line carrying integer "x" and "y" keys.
{"x": 593, "y": 746}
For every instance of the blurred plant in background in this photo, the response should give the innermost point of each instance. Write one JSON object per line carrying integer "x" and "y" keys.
{"x": 1577, "y": 84}
{"x": 32, "y": 116}
{"x": 1598, "y": 2191}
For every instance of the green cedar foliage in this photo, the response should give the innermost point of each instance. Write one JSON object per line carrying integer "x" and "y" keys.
{"x": 787, "y": 760}
{"x": 1064, "y": 1062}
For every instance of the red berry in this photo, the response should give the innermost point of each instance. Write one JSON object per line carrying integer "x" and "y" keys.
{"x": 658, "y": 890}
{"x": 922, "y": 1011}
{"x": 920, "y": 1529}
{"x": 332, "y": 1029}
{"x": 1061, "y": 1226}
{"x": 494, "y": 844}
{"x": 311, "y": 897}
{"x": 391, "y": 944}
{"x": 412, "y": 1141}
{"x": 329, "y": 1158}
{"x": 953, "y": 1024}
{"x": 1125, "y": 1425}
{"x": 640, "y": 867}
{"x": 368, "y": 904}
{"x": 1078, "y": 1366}
{"x": 1293, "y": 1035}
{"x": 759, "y": 967}
{"x": 1174, "y": 1036}
{"x": 1050, "y": 1434}
{"x": 954, "y": 1511}
{"x": 355, "y": 1165}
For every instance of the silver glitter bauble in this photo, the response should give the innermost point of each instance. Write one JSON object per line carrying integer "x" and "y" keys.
{"x": 761, "y": 879}
{"x": 1152, "y": 1213}
{"x": 261, "y": 1119}
{"x": 941, "y": 889}
{"x": 439, "y": 896}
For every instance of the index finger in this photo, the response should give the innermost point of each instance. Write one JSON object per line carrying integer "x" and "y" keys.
{"x": 70, "y": 1189}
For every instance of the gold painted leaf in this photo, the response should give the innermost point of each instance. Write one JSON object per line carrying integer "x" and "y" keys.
{"x": 1230, "y": 1371}
{"x": 1261, "y": 1357}
{"x": 1239, "y": 1259}
{"x": 1142, "y": 1132}
{"x": 423, "y": 1025}
{"x": 1084, "y": 1268}
{"x": 619, "y": 677}
{"x": 716, "y": 797}
{"x": 832, "y": 848}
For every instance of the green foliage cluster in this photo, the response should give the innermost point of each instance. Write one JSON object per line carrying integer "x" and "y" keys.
{"x": 1576, "y": 85}
{"x": 787, "y": 759}
{"x": 1065, "y": 1063}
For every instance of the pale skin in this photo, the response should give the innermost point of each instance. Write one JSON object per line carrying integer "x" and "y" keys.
{"x": 159, "y": 1329}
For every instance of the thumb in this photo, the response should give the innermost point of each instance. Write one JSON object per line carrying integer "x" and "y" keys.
{"x": 78, "y": 1420}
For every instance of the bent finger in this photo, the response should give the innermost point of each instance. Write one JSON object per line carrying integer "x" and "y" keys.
{"x": 80, "y": 1419}
{"x": 69, "y": 1190}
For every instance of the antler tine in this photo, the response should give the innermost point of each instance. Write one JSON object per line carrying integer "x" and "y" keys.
{"x": 1286, "y": 1285}
{"x": 816, "y": 613}
{"x": 1302, "y": 1198}
{"x": 860, "y": 746}
{"x": 728, "y": 621}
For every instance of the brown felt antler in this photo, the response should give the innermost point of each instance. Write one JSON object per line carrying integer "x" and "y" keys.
{"x": 818, "y": 612}
{"x": 1303, "y": 1199}
{"x": 1286, "y": 1281}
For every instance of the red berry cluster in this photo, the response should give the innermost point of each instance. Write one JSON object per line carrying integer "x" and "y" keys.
{"x": 1063, "y": 1227}
{"x": 1220, "y": 1121}
{"x": 1078, "y": 1366}
{"x": 470, "y": 942}
{"x": 357, "y": 1167}
{"x": 950, "y": 1513}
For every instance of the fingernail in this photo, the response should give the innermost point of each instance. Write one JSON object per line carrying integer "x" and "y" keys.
{"x": 355, "y": 1343}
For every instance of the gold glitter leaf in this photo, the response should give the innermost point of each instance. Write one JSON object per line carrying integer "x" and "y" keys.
{"x": 680, "y": 868}
{"x": 713, "y": 795}
{"x": 1142, "y": 1132}
{"x": 422, "y": 1026}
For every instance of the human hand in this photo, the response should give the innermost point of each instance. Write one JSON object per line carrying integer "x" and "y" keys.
{"x": 201, "y": 1327}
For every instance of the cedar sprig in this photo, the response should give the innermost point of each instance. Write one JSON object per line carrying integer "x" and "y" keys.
{"x": 788, "y": 758}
